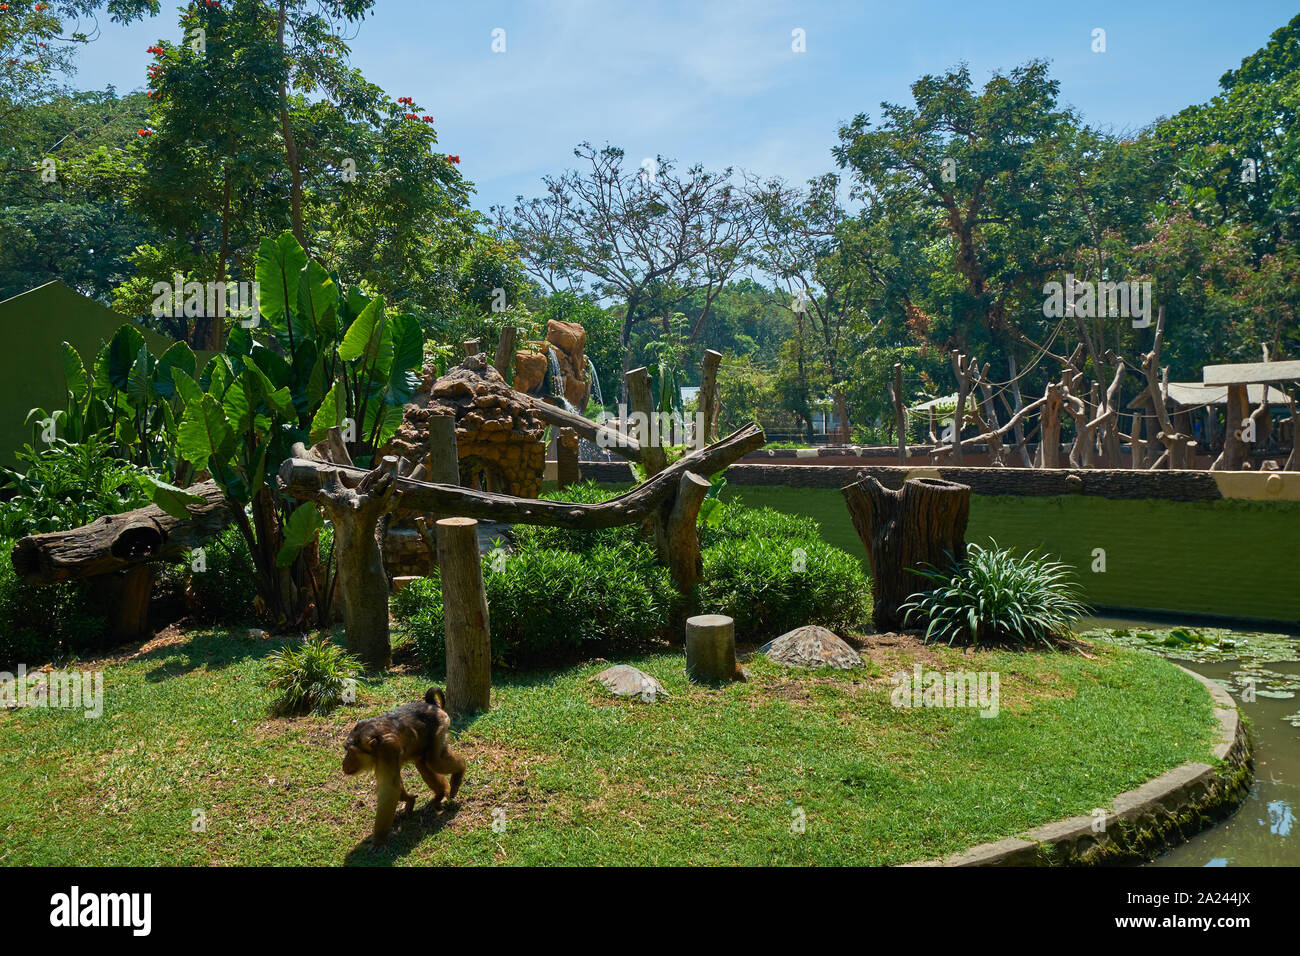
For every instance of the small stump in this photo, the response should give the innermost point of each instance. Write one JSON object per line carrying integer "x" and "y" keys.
{"x": 711, "y": 649}
{"x": 811, "y": 646}
{"x": 623, "y": 680}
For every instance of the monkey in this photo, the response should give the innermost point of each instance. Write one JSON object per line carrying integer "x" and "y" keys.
{"x": 413, "y": 733}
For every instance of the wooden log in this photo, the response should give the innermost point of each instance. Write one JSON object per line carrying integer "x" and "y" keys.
{"x": 116, "y": 542}
{"x": 711, "y": 649}
{"x": 303, "y": 479}
{"x": 678, "y": 543}
{"x": 567, "y": 471}
{"x": 922, "y": 524}
{"x": 641, "y": 408}
{"x": 1050, "y": 420}
{"x": 605, "y": 437}
{"x": 900, "y": 412}
{"x": 471, "y": 347}
{"x": 363, "y": 585}
{"x": 465, "y": 612}
{"x": 708, "y": 404}
{"x": 505, "y": 350}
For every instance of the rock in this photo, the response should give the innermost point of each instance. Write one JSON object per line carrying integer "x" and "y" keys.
{"x": 811, "y": 646}
{"x": 530, "y": 370}
{"x": 623, "y": 680}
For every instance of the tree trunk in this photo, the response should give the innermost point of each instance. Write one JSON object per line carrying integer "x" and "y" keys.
{"x": 640, "y": 403}
{"x": 711, "y": 649}
{"x": 708, "y": 404}
{"x": 362, "y": 583}
{"x": 900, "y": 412}
{"x": 465, "y": 611}
{"x": 505, "y": 349}
{"x": 923, "y": 524}
{"x": 1049, "y": 439}
{"x": 678, "y": 540}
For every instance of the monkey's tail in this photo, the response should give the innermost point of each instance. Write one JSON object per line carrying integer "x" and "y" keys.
{"x": 434, "y": 696}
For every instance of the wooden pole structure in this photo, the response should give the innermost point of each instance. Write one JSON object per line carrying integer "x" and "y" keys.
{"x": 959, "y": 414}
{"x": 567, "y": 471}
{"x": 465, "y": 612}
{"x": 641, "y": 405}
{"x": 922, "y": 524}
{"x": 711, "y": 649}
{"x": 471, "y": 347}
{"x": 708, "y": 404}
{"x": 678, "y": 541}
{"x": 505, "y": 349}
{"x": 363, "y": 585}
{"x": 444, "y": 459}
{"x": 900, "y": 412}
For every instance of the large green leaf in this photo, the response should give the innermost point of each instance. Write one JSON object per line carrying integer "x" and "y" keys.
{"x": 369, "y": 338}
{"x": 279, "y": 266}
{"x": 139, "y": 383}
{"x": 300, "y": 529}
{"x": 204, "y": 434}
{"x": 318, "y": 300}
{"x": 172, "y": 499}
{"x": 331, "y": 412}
{"x": 179, "y": 358}
{"x": 74, "y": 372}
{"x": 113, "y": 366}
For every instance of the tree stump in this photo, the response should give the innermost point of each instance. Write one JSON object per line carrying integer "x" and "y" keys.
{"x": 362, "y": 583}
{"x": 711, "y": 649}
{"x": 922, "y": 524}
{"x": 677, "y": 539}
{"x": 708, "y": 404}
{"x": 641, "y": 407}
{"x": 505, "y": 349}
{"x": 465, "y": 611}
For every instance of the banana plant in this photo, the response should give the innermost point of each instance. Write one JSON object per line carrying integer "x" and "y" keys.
{"x": 315, "y": 357}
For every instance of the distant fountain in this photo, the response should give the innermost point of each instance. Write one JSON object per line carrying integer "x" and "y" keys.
{"x": 553, "y": 372}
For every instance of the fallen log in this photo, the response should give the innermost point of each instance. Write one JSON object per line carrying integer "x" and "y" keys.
{"x": 115, "y": 542}
{"x": 303, "y": 479}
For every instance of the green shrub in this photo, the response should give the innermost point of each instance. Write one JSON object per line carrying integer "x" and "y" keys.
{"x": 527, "y": 537}
{"x": 310, "y": 677}
{"x": 994, "y": 597}
{"x": 224, "y": 590}
{"x": 65, "y": 486}
{"x": 39, "y": 623}
{"x": 549, "y": 606}
{"x": 770, "y": 585}
{"x": 734, "y": 521}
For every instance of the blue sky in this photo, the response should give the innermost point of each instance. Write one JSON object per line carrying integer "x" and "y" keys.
{"x": 718, "y": 82}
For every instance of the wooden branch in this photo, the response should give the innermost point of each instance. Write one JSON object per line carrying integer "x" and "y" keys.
{"x": 303, "y": 478}
{"x": 641, "y": 404}
{"x": 601, "y": 435}
{"x": 505, "y": 350}
{"x": 114, "y": 542}
{"x": 979, "y": 439}
{"x": 680, "y": 546}
{"x": 708, "y": 405}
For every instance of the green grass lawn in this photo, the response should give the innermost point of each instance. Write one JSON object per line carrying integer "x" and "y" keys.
{"x": 562, "y": 773}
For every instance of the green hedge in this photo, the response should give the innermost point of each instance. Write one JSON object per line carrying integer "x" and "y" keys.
{"x": 562, "y": 595}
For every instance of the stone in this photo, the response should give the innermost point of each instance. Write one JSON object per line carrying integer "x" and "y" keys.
{"x": 530, "y": 371}
{"x": 623, "y": 680}
{"x": 811, "y": 646}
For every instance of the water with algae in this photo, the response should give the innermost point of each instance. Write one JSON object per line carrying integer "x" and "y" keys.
{"x": 1262, "y": 673}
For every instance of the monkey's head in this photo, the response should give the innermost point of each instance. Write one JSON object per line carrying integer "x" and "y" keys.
{"x": 359, "y": 750}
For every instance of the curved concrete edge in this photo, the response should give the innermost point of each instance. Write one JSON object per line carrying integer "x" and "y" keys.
{"x": 1141, "y": 822}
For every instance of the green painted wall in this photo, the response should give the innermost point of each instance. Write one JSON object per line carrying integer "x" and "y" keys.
{"x": 1231, "y": 558}
{"x": 32, "y": 326}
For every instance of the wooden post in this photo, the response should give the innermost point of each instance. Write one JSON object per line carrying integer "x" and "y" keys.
{"x": 471, "y": 347}
{"x": 362, "y": 583}
{"x": 922, "y": 524}
{"x": 678, "y": 540}
{"x": 465, "y": 611}
{"x": 444, "y": 460}
{"x": 505, "y": 349}
{"x": 1049, "y": 439}
{"x": 1236, "y": 451}
{"x": 708, "y": 403}
{"x": 641, "y": 405}
{"x": 711, "y": 649}
{"x": 900, "y": 413}
{"x": 959, "y": 414}
{"x": 567, "y": 471}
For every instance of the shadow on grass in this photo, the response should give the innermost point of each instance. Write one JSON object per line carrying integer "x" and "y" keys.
{"x": 210, "y": 650}
{"x": 409, "y": 831}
